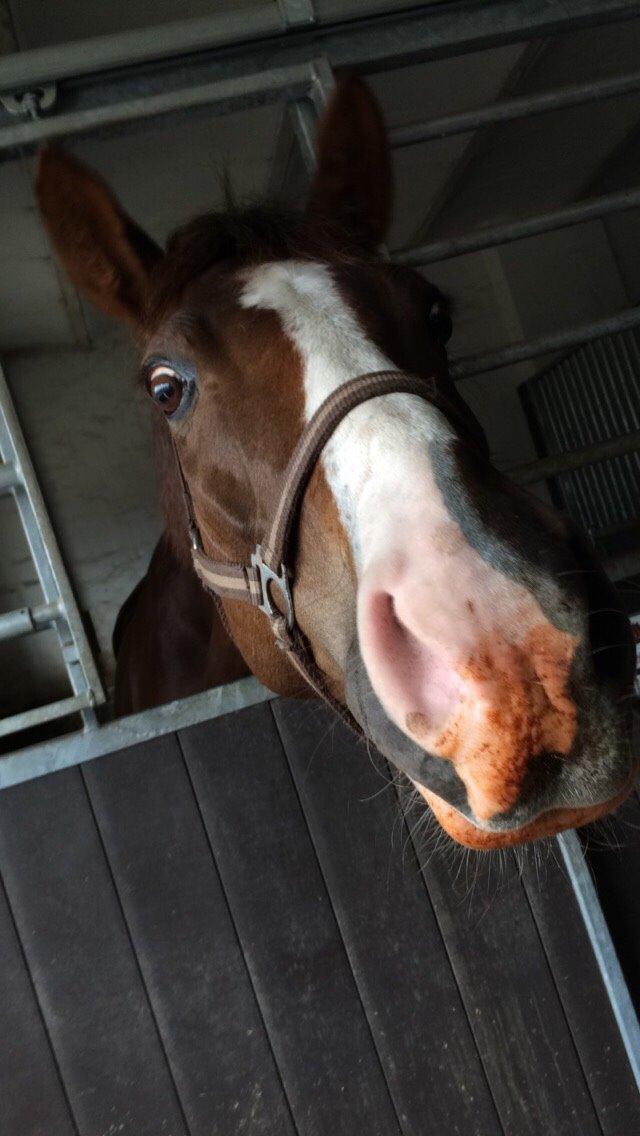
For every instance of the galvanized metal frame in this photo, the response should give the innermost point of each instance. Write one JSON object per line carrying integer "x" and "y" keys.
{"x": 524, "y": 106}
{"x": 468, "y": 366}
{"x": 59, "y": 609}
{"x": 243, "y": 74}
{"x": 528, "y": 473}
{"x": 73, "y": 749}
{"x": 490, "y": 236}
{"x": 603, "y": 948}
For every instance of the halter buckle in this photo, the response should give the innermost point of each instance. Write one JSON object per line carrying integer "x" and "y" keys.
{"x": 267, "y": 578}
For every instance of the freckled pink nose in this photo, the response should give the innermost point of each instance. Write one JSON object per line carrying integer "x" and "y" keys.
{"x": 478, "y": 682}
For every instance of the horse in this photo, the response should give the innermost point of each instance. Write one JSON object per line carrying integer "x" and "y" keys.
{"x": 463, "y": 625}
{"x": 168, "y": 640}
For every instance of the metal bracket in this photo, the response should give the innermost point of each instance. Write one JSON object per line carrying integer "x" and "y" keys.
{"x": 297, "y": 13}
{"x": 322, "y": 83}
{"x": 305, "y": 112}
{"x": 267, "y": 578}
{"x": 30, "y": 104}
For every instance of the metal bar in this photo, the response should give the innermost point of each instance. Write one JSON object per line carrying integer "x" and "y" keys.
{"x": 49, "y": 757}
{"x": 306, "y": 112}
{"x": 322, "y": 83}
{"x": 225, "y": 95}
{"x": 524, "y": 106}
{"x": 297, "y": 13}
{"x": 470, "y": 365}
{"x": 81, "y": 668}
{"x": 304, "y": 119}
{"x": 503, "y": 234}
{"x": 178, "y": 38}
{"x": 183, "y": 56}
{"x": 143, "y": 45}
{"x": 414, "y": 31}
{"x": 48, "y": 713}
{"x": 9, "y": 477}
{"x": 528, "y": 473}
{"x": 26, "y": 620}
{"x": 603, "y": 948}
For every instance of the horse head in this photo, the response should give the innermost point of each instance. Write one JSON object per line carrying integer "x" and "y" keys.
{"x": 466, "y": 625}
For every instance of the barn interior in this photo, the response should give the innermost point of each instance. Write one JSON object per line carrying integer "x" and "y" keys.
{"x": 529, "y": 222}
{"x": 70, "y": 370}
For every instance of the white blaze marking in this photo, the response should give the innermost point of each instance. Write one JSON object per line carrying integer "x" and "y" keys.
{"x": 375, "y": 457}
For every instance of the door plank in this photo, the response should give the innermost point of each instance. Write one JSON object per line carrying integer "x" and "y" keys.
{"x": 294, "y": 951}
{"x": 518, "y": 1020}
{"x": 395, "y": 947}
{"x": 186, "y": 943}
{"x": 83, "y": 967}
{"x": 584, "y": 998}
{"x": 32, "y": 1100}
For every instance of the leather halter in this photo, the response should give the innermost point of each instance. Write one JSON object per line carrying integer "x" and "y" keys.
{"x": 270, "y": 571}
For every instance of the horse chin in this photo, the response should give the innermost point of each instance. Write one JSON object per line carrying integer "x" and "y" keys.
{"x": 460, "y": 829}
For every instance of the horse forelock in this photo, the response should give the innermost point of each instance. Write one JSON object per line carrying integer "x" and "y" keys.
{"x": 242, "y": 237}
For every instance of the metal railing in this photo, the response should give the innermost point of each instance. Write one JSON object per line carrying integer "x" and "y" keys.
{"x": 59, "y": 609}
{"x": 505, "y": 110}
{"x": 360, "y": 35}
{"x": 490, "y": 236}
{"x": 469, "y": 366}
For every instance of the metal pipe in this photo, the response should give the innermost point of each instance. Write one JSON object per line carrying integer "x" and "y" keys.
{"x": 178, "y": 38}
{"x": 142, "y": 45}
{"x": 25, "y": 620}
{"x": 9, "y": 477}
{"x": 60, "y": 753}
{"x": 504, "y": 234}
{"x": 48, "y": 713}
{"x": 249, "y": 41}
{"x": 525, "y": 106}
{"x": 226, "y": 95}
{"x": 380, "y": 39}
{"x": 470, "y": 365}
{"x": 43, "y": 546}
{"x": 528, "y": 473}
{"x": 603, "y": 948}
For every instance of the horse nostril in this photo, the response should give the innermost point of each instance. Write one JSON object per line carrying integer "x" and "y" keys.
{"x": 410, "y": 672}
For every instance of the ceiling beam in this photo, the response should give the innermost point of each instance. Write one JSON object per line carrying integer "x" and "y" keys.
{"x": 107, "y": 70}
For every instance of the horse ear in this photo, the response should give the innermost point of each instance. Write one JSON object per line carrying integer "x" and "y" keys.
{"x": 103, "y": 251}
{"x": 353, "y": 182}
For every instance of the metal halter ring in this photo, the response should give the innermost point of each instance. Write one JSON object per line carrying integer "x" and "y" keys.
{"x": 268, "y": 578}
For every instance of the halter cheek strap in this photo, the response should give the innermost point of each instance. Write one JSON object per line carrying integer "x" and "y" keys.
{"x": 270, "y": 570}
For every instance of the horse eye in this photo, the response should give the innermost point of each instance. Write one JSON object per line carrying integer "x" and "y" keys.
{"x": 440, "y": 322}
{"x": 166, "y": 388}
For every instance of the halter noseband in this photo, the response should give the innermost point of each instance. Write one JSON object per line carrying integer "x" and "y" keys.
{"x": 270, "y": 568}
